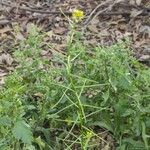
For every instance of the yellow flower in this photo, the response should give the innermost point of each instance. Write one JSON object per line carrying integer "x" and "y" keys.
{"x": 77, "y": 15}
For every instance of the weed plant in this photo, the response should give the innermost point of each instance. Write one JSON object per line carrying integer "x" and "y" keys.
{"x": 59, "y": 104}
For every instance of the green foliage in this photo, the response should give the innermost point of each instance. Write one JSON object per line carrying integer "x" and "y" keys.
{"x": 21, "y": 131}
{"x": 58, "y": 104}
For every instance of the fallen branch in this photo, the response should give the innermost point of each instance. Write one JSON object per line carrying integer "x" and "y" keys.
{"x": 6, "y": 21}
{"x": 133, "y": 6}
{"x": 34, "y": 10}
{"x": 121, "y": 13}
{"x": 96, "y": 8}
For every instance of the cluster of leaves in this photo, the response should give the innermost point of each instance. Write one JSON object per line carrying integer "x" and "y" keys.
{"x": 56, "y": 104}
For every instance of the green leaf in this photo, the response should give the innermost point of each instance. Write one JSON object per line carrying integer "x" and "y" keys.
{"x": 40, "y": 142}
{"x": 30, "y": 147}
{"x": 122, "y": 147}
{"x": 21, "y": 131}
{"x": 133, "y": 143}
{"x": 106, "y": 96}
{"x": 5, "y": 121}
{"x": 102, "y": 125}
{"x": 144, "y": 136}
{"x": 113, "y": 84}
{"x": 128, "y": 112}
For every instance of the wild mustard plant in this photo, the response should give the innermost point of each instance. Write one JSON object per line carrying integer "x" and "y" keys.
{"x": 68, "y": 102}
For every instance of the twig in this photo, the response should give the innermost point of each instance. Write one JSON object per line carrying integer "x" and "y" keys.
{"x": 93, "y": 12}
{"x": 133, "y": 6}
{"x": 34, "y": 10}
{"x": 120, "y": 13}
{"x": 87, "y": 22}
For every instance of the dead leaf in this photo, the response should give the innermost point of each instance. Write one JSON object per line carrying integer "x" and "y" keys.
{"x": 138, "y": 2}
{"x": 132, "y": 2}
{"x": 19, "y": 36}
{"x": 29, "y": 27}
{"x": 4, "y": 22}
{"x": 144, "y": 58}
{"x": 93, "y": 28}
{"x": 60, "y": 30}
{"x": 135, "y": 13}
{"x": 145, "y": 30}
{"x": 38, "y": 95}
{"x": 91, "y": 42}
{"x": 3, "y": 36}
{"x": 107, "y": 147}
{"x": 2, "y": 73}
{"x": 2, "y": 82}
{"x": 104, "y": 33}
{"x": 49, "y": 33}
{"x": 147, "y": 50}
{"x": 119, "y": 1}
{"x": 46, "y": 54}
{"x": 60, "y": 47}
{"x": 95, "y": 21}
{"x": 6, "y": 59}
{"x": 122, "y": 26}
{"x": 5, "y": 30}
